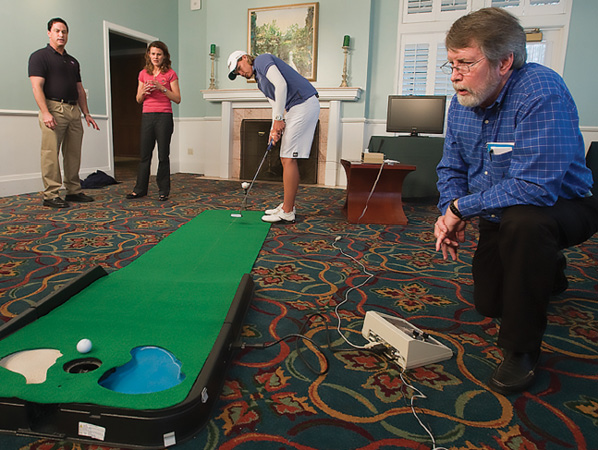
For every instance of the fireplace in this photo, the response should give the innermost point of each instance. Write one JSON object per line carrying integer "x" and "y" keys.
{"x": 240, "y": 104}
{"x": 254, "y": 141}
{"x": 246, "y": 113}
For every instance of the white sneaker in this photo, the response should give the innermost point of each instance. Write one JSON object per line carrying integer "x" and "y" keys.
{"x": 269, "y": 212}
{"x": 280, "y": 216}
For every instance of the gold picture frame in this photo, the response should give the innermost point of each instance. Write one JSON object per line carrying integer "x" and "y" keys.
{"x": 289, "y": 32}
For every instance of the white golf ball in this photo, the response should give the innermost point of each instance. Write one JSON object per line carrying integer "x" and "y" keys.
{"x": 244, "y": 184}
{"x": 84, "y": 346}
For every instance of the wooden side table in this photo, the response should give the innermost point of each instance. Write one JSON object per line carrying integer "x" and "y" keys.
{"x": 385, "y": 205}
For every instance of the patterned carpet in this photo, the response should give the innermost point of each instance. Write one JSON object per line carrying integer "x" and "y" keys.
{"x": 271, "y": 399}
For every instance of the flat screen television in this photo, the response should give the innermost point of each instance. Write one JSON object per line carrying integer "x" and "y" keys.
{"x": 415, "y": 114}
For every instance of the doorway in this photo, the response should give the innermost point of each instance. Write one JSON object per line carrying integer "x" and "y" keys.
{"x": 127, "y": 58}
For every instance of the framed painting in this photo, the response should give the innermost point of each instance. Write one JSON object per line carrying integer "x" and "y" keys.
{"x": 289, "y": 32}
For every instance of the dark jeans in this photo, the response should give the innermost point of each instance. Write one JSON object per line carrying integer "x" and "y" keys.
{"x": 155, "y": 127}
{"x": 515, "y": 265}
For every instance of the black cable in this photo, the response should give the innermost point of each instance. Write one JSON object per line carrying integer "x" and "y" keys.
{"x": 289, "y": 336}
{"x": 302, "y": 330}
{"x": 378, "y": 349}
{"x": 299, "y": 336}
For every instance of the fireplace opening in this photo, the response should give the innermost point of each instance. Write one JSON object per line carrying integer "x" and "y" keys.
{"x": 254, "y": 141}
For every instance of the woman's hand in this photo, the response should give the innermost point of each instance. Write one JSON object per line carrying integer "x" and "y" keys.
{"x": 149, "y": 87}
{"x": 276, "y": 131}
{"x": 159, "y": 86}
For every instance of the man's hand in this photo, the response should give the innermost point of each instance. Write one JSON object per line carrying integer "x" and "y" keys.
{"x": 91, "y": 122}
{"x": 49, "y": 120}
{"x": 449, "y": 231}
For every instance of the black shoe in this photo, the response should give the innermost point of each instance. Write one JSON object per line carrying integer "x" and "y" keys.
{"x": 560, "y": 280}
{"x": 516, "y": 372}
{"x": 56, "y": 202}
{"x": 163, "y": 197}
{"x": 133, "y": 195}
{"x": 80, "y": 197}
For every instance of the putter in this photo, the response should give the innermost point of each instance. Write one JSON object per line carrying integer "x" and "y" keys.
{"x": 248, "y": 188}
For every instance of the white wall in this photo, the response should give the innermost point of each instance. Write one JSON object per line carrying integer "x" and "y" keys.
{"x": 21, "y": 139}
{"x": 199, "y": 145}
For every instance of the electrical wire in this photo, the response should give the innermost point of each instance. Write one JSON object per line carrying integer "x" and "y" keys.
{"x": 417, "y": 394}
{"x": 371, "y": 192}
{"x": 370, "y": 346}
{"x": 346, "y": 298}
{"x": 299, "y": 336}
{"x": 299, "y": 354}
{"x": 380, "y": 348}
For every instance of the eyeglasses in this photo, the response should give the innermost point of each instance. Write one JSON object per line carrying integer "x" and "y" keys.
{"x": 463, "y": 69}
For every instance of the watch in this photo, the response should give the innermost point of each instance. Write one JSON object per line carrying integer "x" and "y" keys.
{"x": 279, "y": 117}
{"x": 455, "y": 210}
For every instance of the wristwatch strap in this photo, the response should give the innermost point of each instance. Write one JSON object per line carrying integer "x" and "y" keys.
{"x": 455, "y": 210}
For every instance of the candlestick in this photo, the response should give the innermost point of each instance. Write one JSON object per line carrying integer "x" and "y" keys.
{"x": 344, "y": 79}
{"x": 212, "y": 79}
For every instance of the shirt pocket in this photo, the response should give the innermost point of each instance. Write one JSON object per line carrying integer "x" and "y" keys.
{"x": 500, "y": 165}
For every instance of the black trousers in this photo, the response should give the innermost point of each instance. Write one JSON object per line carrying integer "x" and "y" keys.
{"x": 515, "y": 265}
{"x": 155, "y": 128}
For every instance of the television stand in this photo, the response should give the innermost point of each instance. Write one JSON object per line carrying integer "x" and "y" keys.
{"x": 424, "y": 152}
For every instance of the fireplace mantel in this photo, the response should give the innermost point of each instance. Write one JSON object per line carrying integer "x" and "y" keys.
{"x": 348, "y": 94}
{"x": 330, "y": 98}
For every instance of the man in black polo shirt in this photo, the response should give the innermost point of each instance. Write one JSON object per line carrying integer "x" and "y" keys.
{"x": 59, "y": 94}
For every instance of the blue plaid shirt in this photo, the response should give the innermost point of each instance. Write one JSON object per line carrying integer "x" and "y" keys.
{"x": 536, "y": 113}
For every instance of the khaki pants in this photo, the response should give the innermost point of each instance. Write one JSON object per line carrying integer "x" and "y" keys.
{"x": 68, "y": 134}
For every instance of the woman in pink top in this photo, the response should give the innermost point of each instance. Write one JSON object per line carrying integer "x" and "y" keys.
{"x": 158, "y": 86}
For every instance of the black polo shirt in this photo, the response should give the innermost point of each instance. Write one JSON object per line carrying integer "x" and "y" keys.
{"x": 61, "y": 73}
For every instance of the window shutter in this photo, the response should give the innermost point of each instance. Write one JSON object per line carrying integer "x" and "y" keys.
{"x": 505, "y": 3}
{"x": 419, "y": 6}
{"x": 442, "y": 81}
{"x": 453, "y": 5}
{"x": 415, "y": 69}
{"x": 544, "y": 2}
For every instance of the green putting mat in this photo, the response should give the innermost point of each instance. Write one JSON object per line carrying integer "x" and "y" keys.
{"x": 175, "y": 296}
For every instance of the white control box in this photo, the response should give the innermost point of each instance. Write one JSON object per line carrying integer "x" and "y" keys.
{"x": 410, "y": 346}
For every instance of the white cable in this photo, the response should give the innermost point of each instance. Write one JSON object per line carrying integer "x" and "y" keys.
{"x": 346, "y": 299}
{"x": 419, "y": 394}
{"x": 371, "y": 192}
{"x": 370, "y": 275}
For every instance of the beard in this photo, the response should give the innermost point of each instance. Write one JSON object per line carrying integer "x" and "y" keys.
{"x": 480, "y": 96}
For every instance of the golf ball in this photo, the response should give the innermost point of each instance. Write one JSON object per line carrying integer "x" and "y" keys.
{"x": 84, "y": 346}
{"x": 244, "y": 184}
